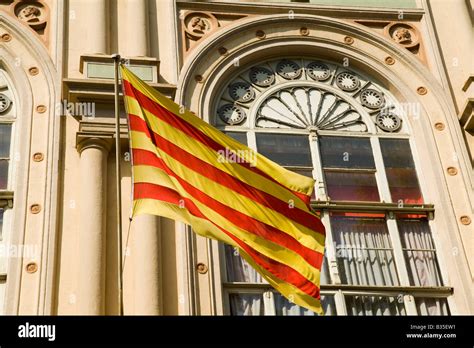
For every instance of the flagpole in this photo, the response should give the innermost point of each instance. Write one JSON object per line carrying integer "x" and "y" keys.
{"x": 118, "y": 156}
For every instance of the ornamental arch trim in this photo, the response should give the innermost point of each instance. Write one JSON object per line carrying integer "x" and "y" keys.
{"x": 19, "y": 55}
{"x": 326, "y": 41}
{"x": 369, "y": 52}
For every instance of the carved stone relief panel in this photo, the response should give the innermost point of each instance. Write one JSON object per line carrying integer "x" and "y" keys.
{"x": 197, "y": 25}
{"x": 405, "y": 34}
{"x": 33, "y": 14}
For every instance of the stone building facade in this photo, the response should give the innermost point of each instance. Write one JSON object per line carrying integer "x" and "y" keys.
{"x": 371, "y": 98}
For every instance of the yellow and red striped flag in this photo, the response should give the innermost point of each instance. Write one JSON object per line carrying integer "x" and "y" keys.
{"x": 182, "y": 170}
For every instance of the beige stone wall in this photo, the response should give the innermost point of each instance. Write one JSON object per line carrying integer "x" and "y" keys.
{"x": 77, "y": 227}
{"x": 456, "y": 49}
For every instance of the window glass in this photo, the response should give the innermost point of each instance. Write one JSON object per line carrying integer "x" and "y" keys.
{"x": 239, "y": 270}
{"x": 432, "y": 306}
{"x": 271, "y": 302}
{"x": 419, "y": 252}
{"x": 400, "y": 169}
{"x": 5, "y": 138}
{"x": 3, "y": 174}
{"x": 286, "y": 150}
{"x": 364, "y": 252}
{"x": 246, "y": 304}
{"x": 329, "y": 305}
{"x": 374, "y": 305}
{"x": 349, "y": 169}
{"x": 285, "y": 307}
{"x": 346, "y": 152}
{"x": 239, "y": 136}
{"x": 351, "y": 186}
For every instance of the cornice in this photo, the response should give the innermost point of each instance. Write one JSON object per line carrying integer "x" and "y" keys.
{"x": 99, "y": 134}
{"x": 265, "y": 8}
{"x": 102, "y": 90}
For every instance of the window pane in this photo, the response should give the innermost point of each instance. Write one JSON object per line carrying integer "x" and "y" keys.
{"x": 239, "y": 270}
{"x": 419, "y": 251}
{"x": 246, "y": 304}
{"x": 1, "y": 221}
{"x": 285, "y": 307}
{"x": 400, "y": 169}
{"x": 351, "y": 186}
{"x": 286, "y": 150}
{"x": 3, "y": 174}
{"x": 325, "y": 278}
{"x": 432, "y": 306}
{"x": 374, "y": 305}
{"x": 239, "y": 136}
{"x": 346, "y": 152}
{"x": 5, "y": 138}
{"x": 329, "y": 305}
{"x": 364, "y": 253}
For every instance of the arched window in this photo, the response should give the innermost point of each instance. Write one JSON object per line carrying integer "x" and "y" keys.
{"x": 348, "y": 132}
{"x": 7, "y": 124}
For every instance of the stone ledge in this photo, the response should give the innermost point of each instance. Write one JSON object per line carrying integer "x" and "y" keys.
{"x": 75, "y": 90}
{"x": 103, "y": 130}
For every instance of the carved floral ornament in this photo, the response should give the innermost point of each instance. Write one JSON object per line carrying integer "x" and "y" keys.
{"x": 303, "y": 93}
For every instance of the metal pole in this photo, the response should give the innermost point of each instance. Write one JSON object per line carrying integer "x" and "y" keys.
{"x": 118, "y": 157}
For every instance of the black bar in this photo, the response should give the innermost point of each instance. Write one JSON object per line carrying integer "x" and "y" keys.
{"x": 243, "y": 331}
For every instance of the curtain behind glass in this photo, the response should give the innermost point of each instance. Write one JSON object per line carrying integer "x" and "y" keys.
{"x": 432, "y": 306}
{"x": 374, "y": 305}
{"x": 419, "y": 251}
{"x": 285, "y": 307}
{"x": 363, "y": 251}
{"x": 246, "y": 304}
{"x": 239, "y": 270}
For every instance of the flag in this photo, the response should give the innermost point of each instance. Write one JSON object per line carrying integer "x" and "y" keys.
{"x": 185, "y": 169}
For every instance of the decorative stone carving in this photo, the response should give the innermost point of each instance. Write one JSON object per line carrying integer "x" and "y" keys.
{"x": 308, "y": 107}
{"x": 5, "y": 103}
{"x": 196, "y": 25}
{"x": 304, "y": 93}
{"x": 232, "y": 114}
{"x": 347, "y": 82}
{"x": 199, "y": 24}
{"x": 372, "y": 99}
{"x": 288, "y": 69}
{"x": 242, "y": 92}
{"x": 32, "y": 13}
{"x": 388, "y": 122}
{"x": 261, "y": 76}
{"x": 318, "y": 71}
{"x": 403, "y": 34}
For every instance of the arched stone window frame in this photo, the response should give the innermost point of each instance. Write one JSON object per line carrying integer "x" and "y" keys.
{"x": 206, "y": 70}
{"x": 33, "y": 223}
